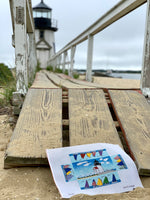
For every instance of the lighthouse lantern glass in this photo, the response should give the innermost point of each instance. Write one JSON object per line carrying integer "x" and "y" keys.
{"x": 34, "y": 14}
{"x": 42, "y": 13}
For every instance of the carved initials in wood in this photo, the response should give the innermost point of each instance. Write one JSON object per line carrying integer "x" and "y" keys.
{"x": 20, "y": 15}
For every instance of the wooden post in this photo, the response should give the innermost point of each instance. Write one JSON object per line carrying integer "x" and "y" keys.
{"x": 20, "y": 31}
{"x": 145, "y": 77}
{"x": 32, "y": 56}
{"x": 73, "y": 49}
{"x": 54, "y": 63}
{"x": 64, "y": 61}
{"x": 89, "y": 58}
{"x": 59, "y": 61}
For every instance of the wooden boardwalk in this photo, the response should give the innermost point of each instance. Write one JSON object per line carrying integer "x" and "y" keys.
{"x": 60, "y": 111}
{"x": 39, "y": 125}
{"x": 90, "y": 120}
{"x": 133, "y": 113}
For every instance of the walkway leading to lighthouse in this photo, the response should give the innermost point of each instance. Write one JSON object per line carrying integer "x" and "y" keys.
{"x": 61, "y": 111}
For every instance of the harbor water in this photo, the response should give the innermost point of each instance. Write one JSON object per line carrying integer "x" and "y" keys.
{"x": 126, "y": 75}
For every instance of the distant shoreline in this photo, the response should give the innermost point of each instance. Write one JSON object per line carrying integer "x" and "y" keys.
{"x": 112, "y": 71}
{"x": 124, "y": 74}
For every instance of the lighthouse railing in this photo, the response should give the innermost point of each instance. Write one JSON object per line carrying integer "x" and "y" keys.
{"x": 54, "y": 23}
{"x": 118, "y": 11}
{"x": 23, "y": 40}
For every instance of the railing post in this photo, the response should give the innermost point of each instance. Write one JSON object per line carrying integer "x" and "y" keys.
{"x": 64, "y": 61}
{"x": 32, "y": 56}
{"x": 59, "y": 61}
{"x": 89, "y": 58}
{"x": 20, "y": 32}
{"x": 145, "y": 78}
{"x": 54, "y": 63}
{"x": 73, "y": 49}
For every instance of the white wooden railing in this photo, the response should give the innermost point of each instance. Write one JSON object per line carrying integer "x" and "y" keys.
{"x": 23, "y": 40}
{"x": 121, "y": 9}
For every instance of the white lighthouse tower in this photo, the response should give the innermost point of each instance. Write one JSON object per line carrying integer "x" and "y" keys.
{"x": 45, "y": 27}
{"x": 98, "y": 169}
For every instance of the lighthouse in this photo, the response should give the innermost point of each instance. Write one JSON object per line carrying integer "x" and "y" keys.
{"x": 45, "y": 28}
{"x": 97, "y": 167}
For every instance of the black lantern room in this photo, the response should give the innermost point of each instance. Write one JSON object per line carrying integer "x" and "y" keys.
{"x": 42, "y": 15}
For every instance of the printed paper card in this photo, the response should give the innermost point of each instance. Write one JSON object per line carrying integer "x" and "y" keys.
{"x": 92, "y": 169}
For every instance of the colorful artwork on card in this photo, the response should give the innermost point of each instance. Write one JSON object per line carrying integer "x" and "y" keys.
{"x": 93, "y": 169}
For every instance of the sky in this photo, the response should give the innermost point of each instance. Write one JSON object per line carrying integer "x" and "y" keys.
{"x": 120, "y": 46}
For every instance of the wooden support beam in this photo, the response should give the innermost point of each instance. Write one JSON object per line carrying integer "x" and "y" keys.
{"x": 116, "y": 124}
{"x": 65, "y": 93}
{"x": 145, "y": 79}
{"x": 65, "y": 100}
{"x": 65, "y": 122}
{"x": 89, "y": 58}
{"x": 108, "y": 101}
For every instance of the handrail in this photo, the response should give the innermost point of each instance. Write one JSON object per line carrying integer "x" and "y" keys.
{"x": 118, "y": 11}
{"x": 114, "y": 14}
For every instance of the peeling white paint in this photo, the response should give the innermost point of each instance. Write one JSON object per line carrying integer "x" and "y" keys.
{"x": 146, "y": 92}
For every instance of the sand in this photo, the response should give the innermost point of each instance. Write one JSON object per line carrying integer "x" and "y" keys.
{"x": 36, "y": 183}
{"x": 111, "y": 83}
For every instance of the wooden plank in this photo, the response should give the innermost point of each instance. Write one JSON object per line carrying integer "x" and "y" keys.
{"x": 63, "y": 82}
{"x": 90, "y": 120}
{"x": 79, "y": 82}
{"x": 39, "y": 127}
{"x": 106, "y": 83}
{"x": 117, "y": 83}
{"x": 133, "y": 112}
{"x": 41, "y": 81}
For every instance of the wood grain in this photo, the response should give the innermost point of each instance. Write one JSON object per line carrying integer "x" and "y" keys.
{"x": 41, "y": 81}
{"x": 117, "y": 83}
{"x": 63, "y": 82}
{"x": 133, "y": 112}
{"x": 90, "y": 120}
{"x": 106, "y": 83}
{"x": 79, "y": 82}
{"x": 39, "y": 127}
